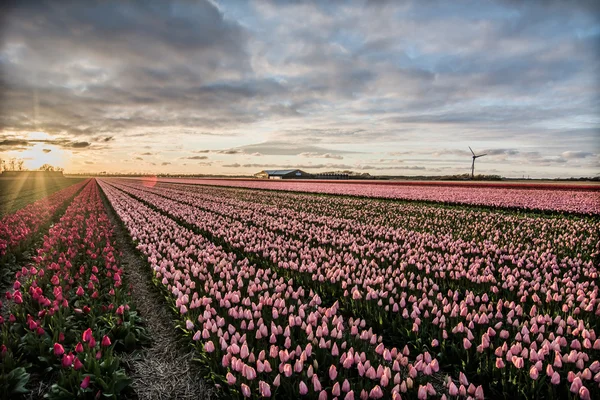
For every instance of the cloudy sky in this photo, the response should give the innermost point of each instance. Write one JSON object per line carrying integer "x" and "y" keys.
{"x": 233, "y": 87}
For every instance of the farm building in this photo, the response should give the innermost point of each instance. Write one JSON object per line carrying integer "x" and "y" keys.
{"x": 282, "y": 174}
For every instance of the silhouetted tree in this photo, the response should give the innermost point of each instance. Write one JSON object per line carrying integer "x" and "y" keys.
{"x": 46, "y": 167}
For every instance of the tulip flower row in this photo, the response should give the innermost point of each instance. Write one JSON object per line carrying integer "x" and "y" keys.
{"x": 17, "y": 228}
{"x": 68, "y": 311}
{"x": 568, "y": 287}
{"x": 381, "y": 244}
{"x": 576, "y": 201}
{"x": 266, "y": 335}
{"x": 561, "y": 236}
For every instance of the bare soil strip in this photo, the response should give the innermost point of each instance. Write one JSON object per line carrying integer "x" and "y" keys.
{"x": 162, "y": 371}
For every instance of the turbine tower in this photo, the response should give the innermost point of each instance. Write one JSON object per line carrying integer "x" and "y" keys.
{"x": 473, "y": 163}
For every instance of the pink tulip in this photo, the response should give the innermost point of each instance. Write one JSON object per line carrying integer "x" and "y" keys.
{"x": 209, "y": 346}
{"x": 87, "y": 335}
{"x": 230, "y": 378}
{"x": 376, "y": 393}
{"x": 452, "y": 389}
{"x": 264, "y": 388}
{"x": 533, "y": 373}
{"x": 105, "y": 341}
{"x": 518, "y": 362}
{"x": 422, "y": 393}
{"x": 576, "y": 385}
{"x": 336, "y": 389}
{"x": 346, "y": 386}
{"x": 245, "y": 390}
{"x": 67, "y": 360}
{"x": 85, "y": 382}
{"x": 58, "y": 349}
{"x": 77, "y": 365}
{"x": 463, "y": 379}
{"x": 332, "y": 372}
{"x": 303, "y": 388}
{"x": 316, "y": 383}
{"x": 584, "y": 393}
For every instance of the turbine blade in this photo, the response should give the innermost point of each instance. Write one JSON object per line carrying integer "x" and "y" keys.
{"x": 471, "y": 150}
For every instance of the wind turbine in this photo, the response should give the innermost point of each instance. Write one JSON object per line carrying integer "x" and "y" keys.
{"x": 473, "y": 163}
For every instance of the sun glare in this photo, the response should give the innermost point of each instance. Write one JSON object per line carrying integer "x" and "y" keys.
{"x": 42, "y": 153}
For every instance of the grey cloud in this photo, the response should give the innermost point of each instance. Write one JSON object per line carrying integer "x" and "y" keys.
{"x": 13, "y": 142}
{"x": 47, "y": 150}
{"x": 321, "y": 155}
{"x": 570, "y": 155}
{"x": 168, "y": 36}
{"x": 284, "y": 148}
{"x": 308, "y": 167}
{"x": 196, "y": 158}
{"x": 79, "y": 145}
{"x": 165, "y": 163}
{"x": 65, "y": 143}
{"x": 229, "y": 151}
{"x": 497, "y": 152}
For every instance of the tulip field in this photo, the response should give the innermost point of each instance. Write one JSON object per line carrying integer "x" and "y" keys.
{"x": 67, "y": 311}
{"x": 339, "y": 291}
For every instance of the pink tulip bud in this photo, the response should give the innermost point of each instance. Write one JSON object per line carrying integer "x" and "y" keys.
{"x": 265, "y": 389}
{"x": 245, "y": 390}
{"x": 85, "y": 383}
{"x": 452, "y": 389}
{"x": 422, "y": 393}
{"x": 332, "y": 372}
{"x": 303, "y": 388}
{"x": 584, "y": 393}
{"x": 336, "y": 389}
{"x": 346, "y": 386}
{"x": 576, "y": 385}
{"x": 209, "y": 346}
{"x": 376, "y": 393}
{"x": 533, "y": 373}
{"x": 87, "y": 335}
{"x": 58, "y": 349}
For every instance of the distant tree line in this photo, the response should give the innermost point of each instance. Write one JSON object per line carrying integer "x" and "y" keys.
{"x": 13, "y": 164}
{"x": 17, "y": 164}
